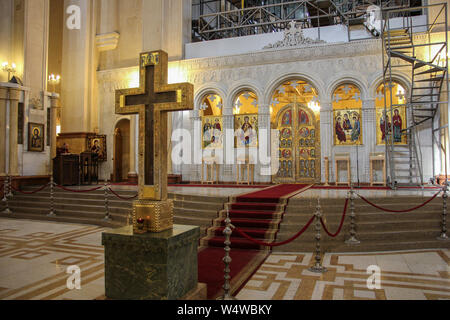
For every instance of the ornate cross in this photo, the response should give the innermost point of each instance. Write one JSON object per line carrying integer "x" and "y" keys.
{"x": 152, "y": 100}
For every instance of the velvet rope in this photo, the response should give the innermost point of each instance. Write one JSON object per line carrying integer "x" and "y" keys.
{"x": 334, "y": 235}
{"x": 120, "y": 197}
{"x": 400, "y": 211}
{"x": 261, "y": 243}
{"x": 31, "y": 192}
{"x": 78, "y": 191}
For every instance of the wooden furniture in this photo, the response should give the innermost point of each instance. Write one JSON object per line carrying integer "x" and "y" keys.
{"x": 346, "y": 158}
{"x": 242, "y": 164}
{"x": 211, "y": 165}
{"x": 327, "y": 171}
{"x": 66, "y": 169}
{"x": 88, "y": 167}
{"x": 374, "y": 157}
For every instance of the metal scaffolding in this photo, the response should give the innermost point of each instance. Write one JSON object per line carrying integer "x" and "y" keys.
{"x": 275, "y": 15}
{"x": 429, "y": 79}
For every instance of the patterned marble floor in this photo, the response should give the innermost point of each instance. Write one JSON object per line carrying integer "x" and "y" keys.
{"x": 406, "y": 275}
{"x": 34, "y": 257}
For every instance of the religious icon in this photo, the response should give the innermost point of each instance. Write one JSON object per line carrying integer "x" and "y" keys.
{"x": 246, "y": 131}
{"x": 35, "y": 137}
{"x": 286, "y": 153}
{"x": 347, "y": 127}
{"x": 303, "y": 117}
{"x": 97, "y": 144}
{"x": 287, "y": 118}
{"x": 397, "y": 122}
{"x": 304, "y": 132}
{"x": 212, "y": 134}
{"x": 286, "y": 133}
{"x": 289, "y": 144}
{"x": 385, "y": 125}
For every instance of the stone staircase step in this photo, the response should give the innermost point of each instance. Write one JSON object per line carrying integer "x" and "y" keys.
{"x": 65, "y": 219}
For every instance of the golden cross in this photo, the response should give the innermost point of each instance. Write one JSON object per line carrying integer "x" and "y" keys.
{"x": 152, "y": 100}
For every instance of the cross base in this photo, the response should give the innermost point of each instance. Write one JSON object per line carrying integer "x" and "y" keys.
{"x": 152, "y": 216}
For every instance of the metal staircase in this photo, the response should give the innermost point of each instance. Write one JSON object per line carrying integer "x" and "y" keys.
{"x": 429, "y": 74}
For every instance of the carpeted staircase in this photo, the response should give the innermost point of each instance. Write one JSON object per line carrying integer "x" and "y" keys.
{"x": 258, "y": 214}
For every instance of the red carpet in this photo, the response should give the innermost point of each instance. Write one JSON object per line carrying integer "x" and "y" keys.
{"x": 259, "y": 214}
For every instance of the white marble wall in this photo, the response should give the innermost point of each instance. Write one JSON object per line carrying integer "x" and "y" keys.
{"x": 324, "y": 66}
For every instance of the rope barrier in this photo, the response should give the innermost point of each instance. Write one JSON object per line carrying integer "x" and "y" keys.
{"x": 334, "y": 235}
{"x": 121, "y": 197}
{"x": 31, "y": 192}
{"x": 400, "y": 211}
{"x": 261, "y": 243}
{"x": 78, "y": 191}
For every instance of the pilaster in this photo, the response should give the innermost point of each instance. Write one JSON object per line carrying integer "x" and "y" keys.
{"x": 3, "y": 99}
{"x": 14, "y": 96}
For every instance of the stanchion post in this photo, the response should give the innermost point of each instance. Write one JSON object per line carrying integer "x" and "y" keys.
{"x": 318, "y": 267}
{"x": 52, "y": 199}
{"x": 10, "y": 194}
{"x": 107, "y": 215}
{"x": 443, "y": 235}
{"x": 5, "y": 197}
{"x": 352, "y": 240}
{"x": 227, "y": 260}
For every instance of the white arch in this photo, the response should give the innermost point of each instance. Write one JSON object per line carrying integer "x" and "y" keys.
{"x": 402, "y": 79}
{"x": 244, "y": 85}
{"x": 274, "y": 84}
{"x": 350, "y": 79}
{"x": 208, "y": 89}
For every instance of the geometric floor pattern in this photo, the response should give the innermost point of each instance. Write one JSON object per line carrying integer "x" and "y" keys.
{"x": 34, "y": 257}
{"x": 405, "y": 275}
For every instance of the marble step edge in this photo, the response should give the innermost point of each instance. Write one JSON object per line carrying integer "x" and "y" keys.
{"x": 398, "y": 225}
{"x": 376, "y": 246}
{"x": 65, "y": 219}
{"x": 382, "y": 201}
{"x": 63, "y": 206}
{"x": 66, "y": 212}
{"x": 366, "y": 236}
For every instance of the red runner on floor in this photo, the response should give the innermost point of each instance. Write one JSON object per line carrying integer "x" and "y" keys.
{"x": 258, "y": 214}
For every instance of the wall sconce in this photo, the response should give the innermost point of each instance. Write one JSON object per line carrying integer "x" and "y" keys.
{"x": 54, "y": 80}
{"x": 9, "y": 68}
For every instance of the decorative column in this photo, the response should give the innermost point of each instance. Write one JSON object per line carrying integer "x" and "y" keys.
{"x": 14, "y": 96}
{"x": 326, "y": 137}
{"x": 3, "y": 98}
{"x": 369, "y": 138}
{"x": 132, "y": 175}
{"x": 76, "y": 72}
{"x": 55, "y": 107}
{"x": 228, "y": 145}
{"x": 264, "y": 124}
{"x": 194, "y": 172}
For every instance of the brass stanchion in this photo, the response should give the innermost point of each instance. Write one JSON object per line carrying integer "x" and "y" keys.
{"x": 443, "y": 235}
{"x": 352, "y": 240}
{"x": 5, "y": 197}
{"x": 318, "y": 267}
{"x": 227, "y": 260}
{"x": 107, "y": 215}
{"x": 52, "y": 200}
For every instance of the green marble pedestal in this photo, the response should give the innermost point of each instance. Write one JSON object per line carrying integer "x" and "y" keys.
{"x": 151, "y": 266}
